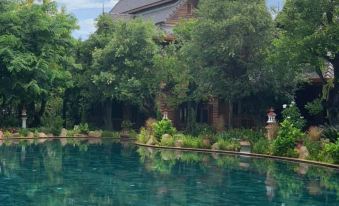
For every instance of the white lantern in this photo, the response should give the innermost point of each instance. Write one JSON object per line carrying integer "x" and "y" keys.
{"x": 271, "y": 116}
{"x": 165, "y": 115}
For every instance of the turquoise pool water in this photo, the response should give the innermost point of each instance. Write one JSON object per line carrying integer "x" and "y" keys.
{"x": 92, "y": 172}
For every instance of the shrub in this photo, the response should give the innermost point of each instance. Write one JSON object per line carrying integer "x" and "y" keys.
{"x": 112, "y": 134}
{"x": 313, "y": 147}
{"x": 126, "y": 125}
{"x": 167, "y": 141}
{"x": 50, "y": 130}
{"x": 315, "y": 107}
{"x": 229, "y": 134}
{"x": 179, "y": 136}
{"x": 143, "y": 136}
{"x": 36, "y": 133}
{"x": 229, "y": 144}
{"x": 23, "y": 132}
{"x": 191, "y": 142}
{"x": 8, "y": 134}
{"x": 262, "y": 146}
{"x": 243, "y": 134}
{"x": 132, "y": 134}
{"x": 292, "y": 113}
{"x": 54, "y": 130}
{"x": 83, "y": 128}
{"x": 314, "y": 133}
{"x": 286, "y": 140}
{"x": 163, "y": 127}
{"x": 202, "y": 129}
{"x": 149, "y": 125}
{"x": 330, "y": 153}
{"x": 70, "y": 133}
{"x": 331, "y": 133}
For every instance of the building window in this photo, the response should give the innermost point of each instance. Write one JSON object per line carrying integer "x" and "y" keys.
{"x": 189, "y": 8}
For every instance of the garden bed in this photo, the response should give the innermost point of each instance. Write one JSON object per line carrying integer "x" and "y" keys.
{"x": 335, "y": 166}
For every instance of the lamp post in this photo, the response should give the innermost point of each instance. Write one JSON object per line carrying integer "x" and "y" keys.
{"x": 24, "y": 118}
{"x": 271, "y": 124}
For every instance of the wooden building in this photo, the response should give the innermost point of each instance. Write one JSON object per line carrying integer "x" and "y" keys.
{"x": 164, "y": 13}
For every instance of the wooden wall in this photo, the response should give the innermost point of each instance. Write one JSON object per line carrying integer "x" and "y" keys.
{"x": 185, "y": 11}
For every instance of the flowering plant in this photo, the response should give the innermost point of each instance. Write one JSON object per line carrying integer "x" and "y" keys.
{"x": 292, "y": 113}
{"x": 287, "y": 138}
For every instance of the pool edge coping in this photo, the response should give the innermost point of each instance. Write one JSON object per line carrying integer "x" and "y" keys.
{"x": 290, "y": 159}
{"x": 53, "y": 137}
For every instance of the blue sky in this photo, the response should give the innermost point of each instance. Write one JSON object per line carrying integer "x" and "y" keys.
{"x": 86, "y": 11}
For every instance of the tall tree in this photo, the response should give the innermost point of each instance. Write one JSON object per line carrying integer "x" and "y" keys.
{"x": 121, "y": 64}
{"x": 35, "y": 52}
{"x": 226, "y": 48}
{"x": 308, "y": 38}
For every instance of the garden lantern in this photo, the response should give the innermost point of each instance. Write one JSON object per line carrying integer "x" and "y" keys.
{"x": 271, "y": 116}
{"x": 165, "y": 115}
{"x": 271, "y": 124}
{"x": 24, "y": 118}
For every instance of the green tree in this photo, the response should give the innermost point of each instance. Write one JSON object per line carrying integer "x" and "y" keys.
{"x": 119, "y": 62}
{"x": 35, "y": 53}
{"x": 308, "y": 37}
{"x": 84, "y": 93}
{"x": 226, "y": 49}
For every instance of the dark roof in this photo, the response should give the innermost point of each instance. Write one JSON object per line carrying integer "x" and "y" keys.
{"x": 124, "y": 6}
{"x": 157, "y": 11}
{"x": 160, "y": 14}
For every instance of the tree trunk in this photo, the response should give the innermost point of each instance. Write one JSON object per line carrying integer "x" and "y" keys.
{"x": 31, "y": 113}
{"x": 107, "y": 108}
{"x": 64, "y": 110}
{"x": 38, "y": 115}
{"x": 230, "y": 114}
{"x": 192, "y": 108}
{"x": 333, "y": 99}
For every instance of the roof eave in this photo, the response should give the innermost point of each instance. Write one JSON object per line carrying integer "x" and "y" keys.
{"x": 148, "y": 6}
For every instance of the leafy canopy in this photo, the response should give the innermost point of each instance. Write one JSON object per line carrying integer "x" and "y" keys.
{"x": 226, "y": 46}
{"x": 122, "y": 69}
{"x": 35, "y": 48}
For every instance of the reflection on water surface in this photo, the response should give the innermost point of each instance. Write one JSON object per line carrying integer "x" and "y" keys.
{"x": 104, "y": 172}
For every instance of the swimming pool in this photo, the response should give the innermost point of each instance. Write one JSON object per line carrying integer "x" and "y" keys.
{"x": 107, "y": 172}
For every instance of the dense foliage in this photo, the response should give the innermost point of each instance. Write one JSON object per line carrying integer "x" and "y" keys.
{"x": 232, "y": 52}
{"x": 287, "y": 139}
{"x": 308, "y": 39}
{"x": 118, "y": 60}
{"x": 163, "y": 127}
{"x": 292, "y": 113}
{"x": 225, "y": 52}
{"x": 35, "y": 55}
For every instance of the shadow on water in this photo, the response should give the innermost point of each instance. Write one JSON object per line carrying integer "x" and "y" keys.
{"x": 106, "y": 172}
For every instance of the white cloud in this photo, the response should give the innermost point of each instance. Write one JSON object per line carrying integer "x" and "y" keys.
{"x": 87, "y": 27}
{"x": 86, "y": 4}
{"x": 86, "y": 22}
